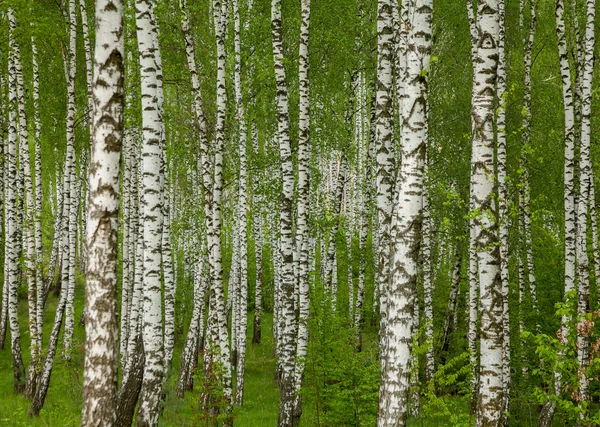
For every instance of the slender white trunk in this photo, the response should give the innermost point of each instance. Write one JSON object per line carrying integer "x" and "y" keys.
{"x": 427, "y": 283}
{"x": 38, "y": 193}
{"x": 258, "y": 244}
{"x": 170, "y": 285}
{"x": 406, "y": 224}
{"x": 547, "y": 412}
{"x": 71, "y": 211}
{"x": 30, "y": 255}
{"x": 152, "y": 215}
{"x": 241, "y": 232}
{"x": 286, "y": 334}
{"x": 217, "y": 314}
{"x": 489, "y": 409}
{"x": 503, "y": 211}
{"x": 11, "y": 256}
{"x": 585, "y": 183}
{"x": 385, "y": 159}
{"x": 100, "y": 366}
{"x": 303, "y": 209}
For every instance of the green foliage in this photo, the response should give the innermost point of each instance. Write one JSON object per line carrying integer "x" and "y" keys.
{"x": 341, "y": 386}
{"x": 558, "y": 356}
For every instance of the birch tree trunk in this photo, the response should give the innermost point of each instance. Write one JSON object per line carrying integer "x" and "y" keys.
{"x": 242, "y": 233}
{"x": 286, "y": 334}
{"x": 585, "y": 182}
{"x": 71, "y": 211}
{"x": 406, "y": 223}
{"x": 30, "y": 254}
{"x": 503, "y": 210}
{"x": 100, "y": 366}
{"x": 11, "y": 261}
{"x": 258, "y": 244}
{"x": 170, "y": 285}
{"x": 303, "y": 206}
{"x": 217, "y": 314}
{"x": 38, "y": 192}
{"x": 427, "y": 285}
{"x": 547, "y": 412}
{"x": 384, "y": 112}
{"x": 489, "y": 409}
{"x": 152, "y": 216}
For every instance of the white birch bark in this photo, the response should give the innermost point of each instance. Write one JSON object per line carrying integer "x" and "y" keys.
{"x": 303, "y": 207}
{"x": 217, "y": 314}
{"x": 38, "y": 193}
{"x": 11, "y": 264}
{"x": 126, "y": 206}
{"x": 258, "y": 243}
{"x": 242, "y": 233}
{"x": 426, "y": 230}
{"x": 100, "y": 366}
{"x": 286, "y": 334}
{"x": 30, "y": 254}
{"x": 152, "y": 216}
{"x": 406, "y": 223}
{"x": 486, "y": 236}
{"x": 385, "y": 157}
{"x": 547, "y": 412}
{"x": 503, "y": 210}
{"x": 525, "y": 191}
{"x": 170, "y": 285}
{"x": 71, "y": 211}
{"x": 585, "y": 180}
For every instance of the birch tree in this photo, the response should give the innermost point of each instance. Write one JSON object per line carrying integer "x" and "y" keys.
{"x": 486, "y": 234}
{"x": 11, "y": 265}
{"x": 286, "y": 334}
{"x": 406, "y": 223}
{"x": 152, "y": 217}
{"x": 100, "y": 368}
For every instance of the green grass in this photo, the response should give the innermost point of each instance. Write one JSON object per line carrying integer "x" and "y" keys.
{"x": 63, "y": 401}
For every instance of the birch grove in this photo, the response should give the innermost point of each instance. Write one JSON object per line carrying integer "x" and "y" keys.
{"x": 242, "y": 212}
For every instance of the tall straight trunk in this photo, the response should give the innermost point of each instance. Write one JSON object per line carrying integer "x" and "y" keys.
{"x": 30, "y": 254}
{"x": 190, "y": 349}
{"x": 525, "y": 191}
{"x": 406, "y": 224}
{"x": 152, "y": 217}
{"x": 217, "y": 313}
{"x": 189, "y": 357}
{"x": 126, "y": 206}
{"x": 331, "y": 264}
{"x": 85, "y": 182}
{"x": 547, "y": 412}
{"x": 451, "y": 314}
{"x": 242, "y": 230}
{"x": 362, "y": 210}
{"x": 303, "y": 206}
{"x": 286, "y": 334}
{"x": 258, "y": 244}
{"x": 137, "y": 233}
{"x": 38, "y": 193}
{"x": 11, "y": 256}
{"x": 384, "y": 124}
{"x": 4, "y": 188}
{"x": 489, "y": 409}
{"x": 503, "y": 210}
{"x": 71, "y": 211}
{"x": 170, "y": 284}
{"x": 427, "y": 284}
{"x": 585, "y": 183}
{"x": 100, "y": 366}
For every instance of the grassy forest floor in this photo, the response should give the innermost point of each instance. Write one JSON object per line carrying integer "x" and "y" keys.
{"x": 63, "y": 402}
{"x": 346, "y": 385}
